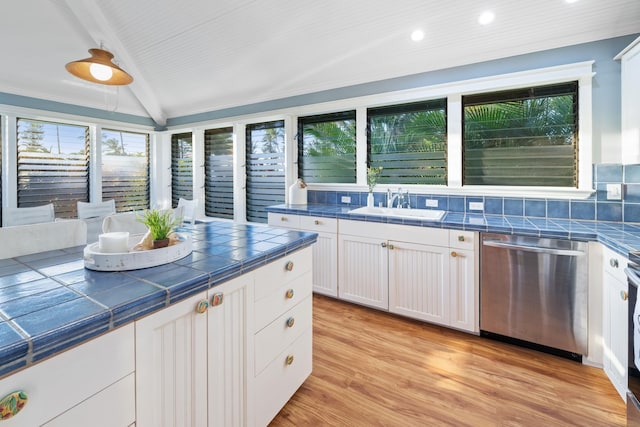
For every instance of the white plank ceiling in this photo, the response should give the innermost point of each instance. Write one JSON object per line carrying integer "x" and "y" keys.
{"x": 192, "y": 56}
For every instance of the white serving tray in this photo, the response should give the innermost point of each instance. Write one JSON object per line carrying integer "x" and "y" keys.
{"x": 133, "y": 260}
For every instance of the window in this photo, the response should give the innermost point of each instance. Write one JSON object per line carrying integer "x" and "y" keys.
{"x": 125, "y": 169}
{"x": 181, "y": 167}
{"x": 53, "y": 165}
{"x": 526, "y": 137}
{"x": 218, "y": 171}
{"x": 265, "y": 168}
{"x": 327, "y": 148}
{"x": 410, "y": 142}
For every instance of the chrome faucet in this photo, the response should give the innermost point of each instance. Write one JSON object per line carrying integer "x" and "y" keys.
{"x": 400, "y": 196}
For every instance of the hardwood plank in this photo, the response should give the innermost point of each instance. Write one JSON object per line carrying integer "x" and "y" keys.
{"x": 375, "y": 369}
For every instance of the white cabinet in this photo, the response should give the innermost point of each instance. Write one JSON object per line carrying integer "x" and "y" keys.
{"x": 419, "y": 281}
{"x": 363, "y": 270}
{"x": 325, "y": 257}
{"x": 191, "y": 359}
{"x": 282, "y": 332}
{"x": 424, "y": 273}
{"x": 464, "y": 284}
{"x": 615, "y": 320}
{"x": 84, "y": 383}
{"x": 630, "y": 108}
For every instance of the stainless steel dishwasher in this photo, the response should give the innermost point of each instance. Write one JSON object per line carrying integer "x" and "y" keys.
{"x": 535, "y": 290}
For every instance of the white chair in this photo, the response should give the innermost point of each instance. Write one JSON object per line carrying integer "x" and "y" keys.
{"x": 93, "y": 214}
{"x": 189, "y": 209}
{"x": 125, "y": 221}
{"x": 33, "y": 238}
{"x": 33, "y": 215}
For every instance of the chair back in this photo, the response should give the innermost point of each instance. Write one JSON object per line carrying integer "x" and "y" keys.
{"x": 34, "y": 238}
{"x": 33, "y": 215}
{"x": 124, "y": 221}
{"x": 189, "y": 209}
{"x": 93, "y": 214}
{"x": 96, "y": 209}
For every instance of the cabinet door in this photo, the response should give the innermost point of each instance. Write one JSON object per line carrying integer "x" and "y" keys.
{"x": 228, "y": 326}
{"x": 419, "y": 281}
{"x": 325, "y": 264}
{"x": 614, "y": 331}
{"x": 362, "y": 271}
{"x": 463, "y": 287}
{"x": 171, "y": 366}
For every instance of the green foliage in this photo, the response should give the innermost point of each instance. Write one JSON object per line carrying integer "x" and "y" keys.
{"x": 160, "y": 223}
{"x": 372, "y": 177}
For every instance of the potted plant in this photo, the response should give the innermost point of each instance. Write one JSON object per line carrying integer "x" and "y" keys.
{"x": 160, "y": 225}
{"x": 372, "y": 179}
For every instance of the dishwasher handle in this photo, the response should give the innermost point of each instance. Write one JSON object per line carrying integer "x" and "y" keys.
{"x": 536, "y": 249}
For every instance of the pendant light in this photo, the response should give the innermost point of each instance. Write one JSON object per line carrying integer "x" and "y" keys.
{"x": 99, "y": 69}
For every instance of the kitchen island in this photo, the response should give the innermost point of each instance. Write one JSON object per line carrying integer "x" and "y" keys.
{"x": 52, "y": 308}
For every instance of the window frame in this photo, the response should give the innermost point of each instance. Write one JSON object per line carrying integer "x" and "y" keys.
{"x": 325, "y": 118}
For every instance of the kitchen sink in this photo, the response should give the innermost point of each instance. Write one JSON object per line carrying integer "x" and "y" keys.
{"x": 424, "y": 214}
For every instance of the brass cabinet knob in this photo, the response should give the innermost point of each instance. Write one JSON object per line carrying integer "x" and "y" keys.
{"x": 202, "y": 306}
{"x": 283, "y": 218}
{"x": 613, "y": 262}
{"x": 454, "y": 254}
{"x": 391, "y": 247}
{"x": 289, "y": 293}
{"x": 290, "y": 322}
{"x": 217, "y": 298}
{"x": 289, "y": 359}
{"x": 624, "y": 295}
{"x": 461, "y": 238}
{"x": 316, "y": 222}
{"x": 288, "y": 266}
{"x": 383, "y": 244}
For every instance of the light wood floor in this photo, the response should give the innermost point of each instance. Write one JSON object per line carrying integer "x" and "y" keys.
{"x": 375, "y": 369}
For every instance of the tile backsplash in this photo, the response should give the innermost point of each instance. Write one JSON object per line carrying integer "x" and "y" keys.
{"x": 596, "y": 207}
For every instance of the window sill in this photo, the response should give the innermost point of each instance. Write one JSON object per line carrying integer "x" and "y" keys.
{"x": 484, "y": 191}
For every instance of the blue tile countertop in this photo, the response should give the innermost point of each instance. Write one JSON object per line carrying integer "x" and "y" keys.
{"x": 50, "y": 302}
{"x": 620, "y": 237}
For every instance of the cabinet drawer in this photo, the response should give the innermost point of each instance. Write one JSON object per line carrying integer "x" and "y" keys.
{"x": 272, "y": 276}
{"x": 614, "y": 264}
{"x": 63, "y": 381}
{"x": 285, "y": 298}
{"x": 283, "y": 220}
{"x": 113, "y": 406}
{"x": 319, "y": 224}
{"x": 280, "y": 380}
{"x": 463, "y": 239}
{"x": 279, "y": 334}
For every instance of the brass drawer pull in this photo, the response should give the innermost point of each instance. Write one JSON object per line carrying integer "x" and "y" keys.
{"x": 624, "y": 295}
{"x": 289, "y": 266}
{"x": 289, "y": 293}
{"x": 202, "y": 306}
{"x": 290, "y": 322}
{"x": 283, "y": 218}
{"x": 316, "y": 222}
{"x": 289, "y": 359}
{"x": 460, "y": 238}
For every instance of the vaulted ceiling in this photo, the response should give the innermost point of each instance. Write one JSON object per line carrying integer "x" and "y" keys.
{"x": 193, "y": 56}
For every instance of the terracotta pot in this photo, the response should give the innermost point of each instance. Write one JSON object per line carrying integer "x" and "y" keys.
{"x": 160, "y": 243}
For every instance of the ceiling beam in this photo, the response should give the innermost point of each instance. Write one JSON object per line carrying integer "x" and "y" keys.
{"x": 90, "y": 21}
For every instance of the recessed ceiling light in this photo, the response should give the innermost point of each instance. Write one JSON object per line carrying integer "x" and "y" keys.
{"x": 486, "y": 18}
{"x": 417, "y": 35}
